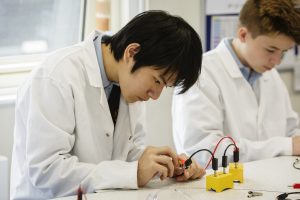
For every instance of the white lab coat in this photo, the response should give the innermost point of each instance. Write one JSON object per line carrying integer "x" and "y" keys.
{"x": 223, "y": 103}
{"x": 64, "y": 134}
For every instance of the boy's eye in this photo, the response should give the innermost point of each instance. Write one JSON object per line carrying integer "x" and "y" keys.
{"x": 157, "y": 81}
{"x": 270, "y": 50}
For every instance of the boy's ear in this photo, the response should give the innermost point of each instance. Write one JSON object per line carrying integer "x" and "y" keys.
{"x": 242, "y": 33}
{"x": 131, "y": 50}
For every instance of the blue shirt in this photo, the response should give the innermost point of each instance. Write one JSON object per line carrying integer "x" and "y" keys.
{"x": 107, "y": 84}
{"x": 250, "y": 75}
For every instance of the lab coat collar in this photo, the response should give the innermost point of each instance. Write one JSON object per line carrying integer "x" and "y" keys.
{"x": 93, "y": 72}
{"x": 91, "y": 63}
{"x": 228, "y": 61}
{"x": 95, "y": 80}
{"x": 230, "y": 65}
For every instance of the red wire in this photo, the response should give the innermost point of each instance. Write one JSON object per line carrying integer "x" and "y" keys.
{"x": 217, "y": 147}
{"x": 296, "y": 186}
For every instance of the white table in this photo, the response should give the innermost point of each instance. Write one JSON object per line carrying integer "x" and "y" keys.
{"x": 271, "y": 177}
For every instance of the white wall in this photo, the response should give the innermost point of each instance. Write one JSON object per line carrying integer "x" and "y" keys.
{"x": 7, "y": 115}
{"x": 159, "y": 120}
{"x": 190, "y": 10}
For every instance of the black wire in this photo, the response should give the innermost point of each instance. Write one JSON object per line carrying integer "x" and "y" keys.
{"x": 293, "y": 193}
{"x": 296, "y": 162}
{"x": 227, "y": 148}
{"x": 283, "y": 196}
{"x": 202, "y": 150}
{"x": 188, "y": 162}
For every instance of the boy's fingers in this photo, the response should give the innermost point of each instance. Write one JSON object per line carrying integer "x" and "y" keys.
{"x": 167, "y": 161}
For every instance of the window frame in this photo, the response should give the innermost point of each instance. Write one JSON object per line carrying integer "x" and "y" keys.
{"x": 11, "y": 65}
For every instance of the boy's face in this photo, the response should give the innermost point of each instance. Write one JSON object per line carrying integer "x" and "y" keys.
{"x": 143, "y": 84}
{"x": 265, "y": 51}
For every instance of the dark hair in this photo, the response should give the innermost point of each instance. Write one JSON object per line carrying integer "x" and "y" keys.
{"x": 166, "y": 42}
{"x": 265, "y": 17}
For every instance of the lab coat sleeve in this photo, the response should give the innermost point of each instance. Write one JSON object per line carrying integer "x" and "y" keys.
{"x": 277, "y": 145}
{"x": 51, "y": 136}
{"x": 198, "y": 117}
{"x": 292, "y": 116}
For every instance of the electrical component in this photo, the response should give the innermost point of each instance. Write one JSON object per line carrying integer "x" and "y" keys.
{"x": 295, "y": 186}
{"x": 216, "y": 147}
{"x": 296, "y": 163}
{"x": 219, "y": 181}
{"x": 283, "y": 196}
{"x": 79, "y": 193}
{"x": 236, "y": 155}
{"x": 237, "y": 169}
{"x": 224, "y": 163}
{"x": 224, "y": 158}
{"x": 181, "y": 162}
{"x": 254, "y": 194}
{"x": 189, "y": 161}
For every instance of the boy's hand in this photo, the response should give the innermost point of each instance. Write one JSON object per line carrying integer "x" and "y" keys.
{"x": 194, "y": 171}
{"x": 156, "y": 160}
{"x": 296, "y": 145}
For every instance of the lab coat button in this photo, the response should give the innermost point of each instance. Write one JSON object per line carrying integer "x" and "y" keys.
{"x": 107, "y": 134}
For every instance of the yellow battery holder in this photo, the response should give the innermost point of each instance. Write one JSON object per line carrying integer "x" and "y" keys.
{"x": 237, "y": 170}
{"x": 219, "y": 182}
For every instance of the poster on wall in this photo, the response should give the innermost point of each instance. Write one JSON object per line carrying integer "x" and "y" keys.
{"x": 217, "y": 7}
{"x": 221, "y": 26}
{"x": 221, "y": 20}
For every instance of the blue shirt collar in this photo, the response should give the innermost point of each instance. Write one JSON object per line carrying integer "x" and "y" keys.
{"x": 107, "y": 84}
{"x": 250, "y": 75}
{"x": 97, "y": 44}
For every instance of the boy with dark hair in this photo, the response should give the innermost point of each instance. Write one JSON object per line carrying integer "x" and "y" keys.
{"x": 240, "y": 93}
{"x": 75, "y": 126}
